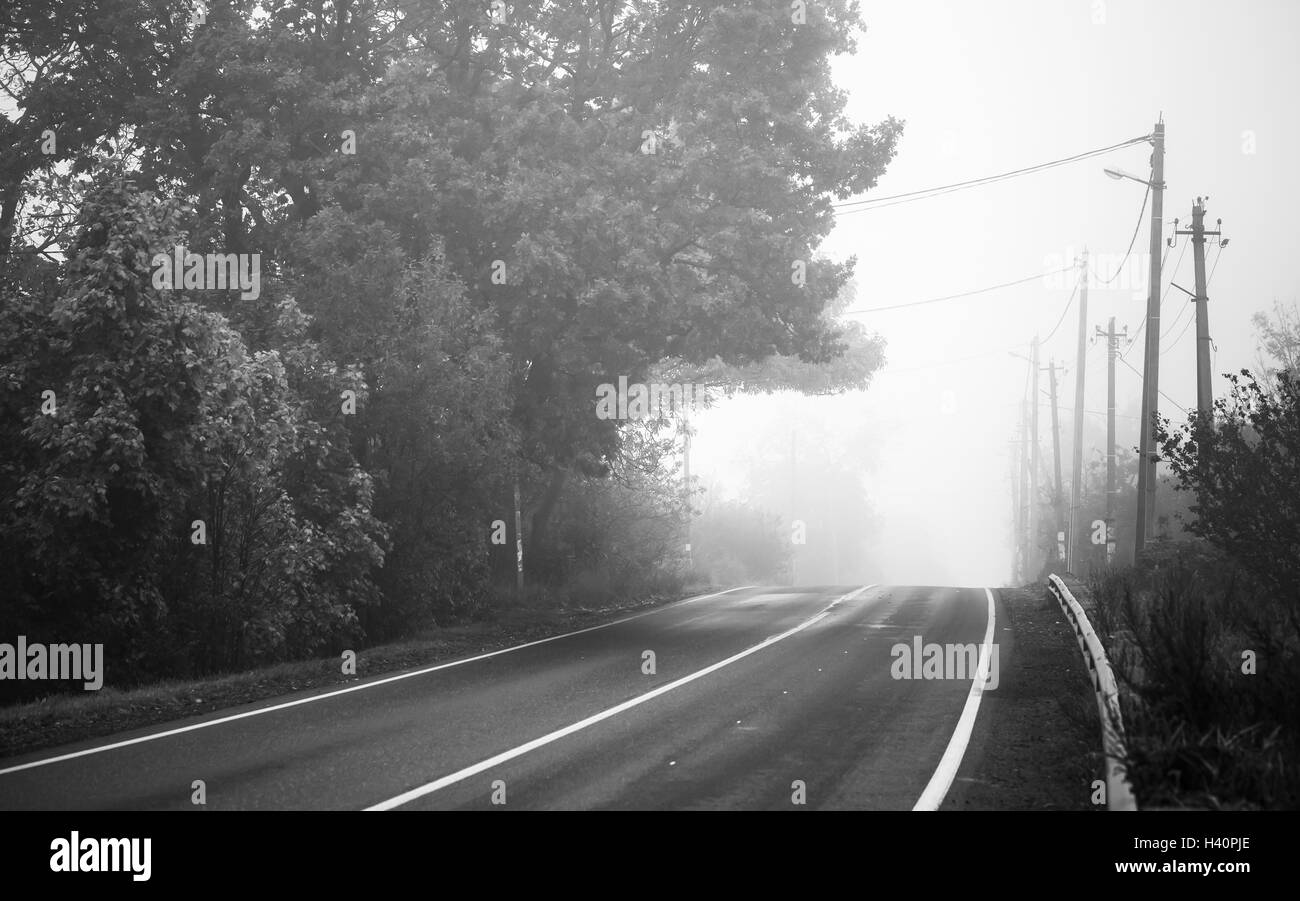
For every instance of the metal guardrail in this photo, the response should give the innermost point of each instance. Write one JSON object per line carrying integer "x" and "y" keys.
{"x": 1119, "y": 794}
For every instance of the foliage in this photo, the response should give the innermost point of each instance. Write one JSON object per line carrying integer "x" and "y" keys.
{"x": 1243, "y": 468}
{"x": 643, "y": 176}
{"x": 1279, "y": 339}
{"x": 161, "y": 417}
{"x": 1205, "y": 726}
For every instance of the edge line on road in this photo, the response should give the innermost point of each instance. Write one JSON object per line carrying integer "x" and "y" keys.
{"x": 153, "y": 736}
{"x": 504, "y": 756}
{"x": 941, "y": 781}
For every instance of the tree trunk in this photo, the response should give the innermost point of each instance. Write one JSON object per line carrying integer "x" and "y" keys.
{"x": 8, "y": 209}
{"x": 539, "y": 539}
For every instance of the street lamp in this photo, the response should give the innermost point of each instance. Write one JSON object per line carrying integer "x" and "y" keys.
{"x": 1118, "y": 174}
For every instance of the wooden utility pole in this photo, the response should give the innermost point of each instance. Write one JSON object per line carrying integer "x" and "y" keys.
{"x": 519, "y": 547}
{"x": 686, "y": 484}
{"x": 1015, "y": 517}
{"x": 1146, "y": 499}
{"x": 1076, "y": 469}
{"x": 1033, "y": 468}
{"x": 1204, "y": 391}
{"x": 1112, "y": 352}
{"x": 1024, "y": 491}
{"x": 794, "y": 548}
{"x": 1057, "y": 499}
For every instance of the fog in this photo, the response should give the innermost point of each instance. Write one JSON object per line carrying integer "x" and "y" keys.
{"x": 984, "y": 93}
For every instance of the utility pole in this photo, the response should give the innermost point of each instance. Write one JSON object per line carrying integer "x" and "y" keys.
{"x": 1112, "y": 352}
{"x": 519, "y": 547}
{"x": 1024, "y": 491}
{"x": 1146, "y": 499}
{"x": 1033, "y": 470}
{"x": 1015, "y": 516}
{"x": 686, "y": 483}
{"x": 1080, "y": 364}
{"x": 1057, "y": 500}
{"x": 835, "y": 548}
{"x": 1204, "y": 392}
{"x": 794, "y": 548}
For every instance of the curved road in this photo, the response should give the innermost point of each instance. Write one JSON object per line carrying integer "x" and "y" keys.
{"x": 759, "y": 698}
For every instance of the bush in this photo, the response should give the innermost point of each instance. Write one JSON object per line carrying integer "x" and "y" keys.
{"x": 1243, "y": 467}
{"x": 1201, "y": 729}
{"x": 178, "y": 498}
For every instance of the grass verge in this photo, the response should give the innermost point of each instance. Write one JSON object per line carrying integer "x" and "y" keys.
{"x": 1208, "y": 673}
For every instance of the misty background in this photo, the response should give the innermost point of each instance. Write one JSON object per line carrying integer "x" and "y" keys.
{"x": 910, "y": 480}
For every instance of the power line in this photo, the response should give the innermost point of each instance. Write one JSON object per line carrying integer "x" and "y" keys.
{"x": 917, "y": 303}
{"x": 1068, "y": 303}
{"x": 1142, "y": 212}
{"x": 1132, "y": 342}
{"x": 1178, "y": 264}
{"x": 1162, "y": 392}
{"x": 1217, "y": 253}
{"x": 1180, "y": 334}
{"x": 1173, "y": 275}
{"x": 1187, "y": 305}
{"x": 1192, "y": 305}
{"x": 873, "y": 203}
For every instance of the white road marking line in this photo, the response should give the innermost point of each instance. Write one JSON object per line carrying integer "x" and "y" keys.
{"x": 941, "y": 781}
{"x": 504, "y": 756}
{"x": 99, "y": 749}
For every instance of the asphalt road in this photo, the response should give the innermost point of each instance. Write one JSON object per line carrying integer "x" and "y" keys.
{"x": 760, "y": 698}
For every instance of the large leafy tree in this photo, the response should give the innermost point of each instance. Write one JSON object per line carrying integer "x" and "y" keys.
{"x": 542, "y": 197}
{"x": 69, "y": 73}
{"x": 641, "y": 178}
{"x": 435, "y": 430}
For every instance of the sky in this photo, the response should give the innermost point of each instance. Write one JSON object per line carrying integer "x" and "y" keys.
{"x": 986, "y": 88}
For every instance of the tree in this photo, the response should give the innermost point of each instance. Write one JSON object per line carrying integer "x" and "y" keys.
{"x": 1243, "y": 468}
{"x": 468, "y": 220}
{"x": 1279, "y": 339}
{"x": 71, "y": 70}
{"x": 193, "y": 505}
{"x": 643, "y": 177}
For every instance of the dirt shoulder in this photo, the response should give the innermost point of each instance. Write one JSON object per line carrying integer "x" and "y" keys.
{"x": 1036, "y": 744}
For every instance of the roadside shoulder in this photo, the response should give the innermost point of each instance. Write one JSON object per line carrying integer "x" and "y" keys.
{"x": 1035, "y": 741}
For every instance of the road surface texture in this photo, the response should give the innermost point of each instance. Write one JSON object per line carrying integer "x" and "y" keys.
{"x": 760, "y": 698}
